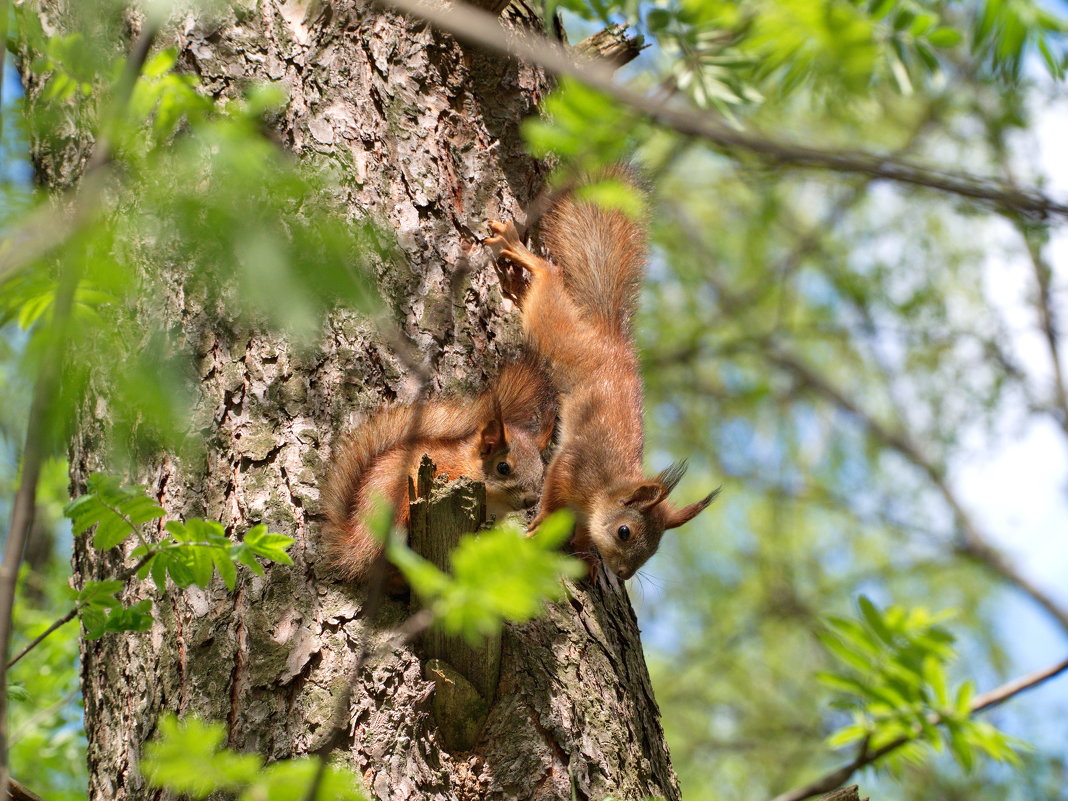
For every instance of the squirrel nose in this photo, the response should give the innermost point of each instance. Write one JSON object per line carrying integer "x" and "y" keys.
{"x": 529, "y": 501}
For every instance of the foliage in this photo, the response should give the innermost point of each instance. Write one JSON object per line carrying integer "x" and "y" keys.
{"x": 189, "y": 180}
{"x": 47, "y": 743}
{"x": 46, "y": 740}
{"x": 897, "y": 689}
{"x": 187, "y": 758}
{"x": 192, "y": 554}
{"x": 496, "y": 576}
{"x": 828, "y": 346}
{"x": 726, "y": 54}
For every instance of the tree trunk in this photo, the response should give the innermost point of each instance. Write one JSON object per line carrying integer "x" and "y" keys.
{"x": 426, "y": 135}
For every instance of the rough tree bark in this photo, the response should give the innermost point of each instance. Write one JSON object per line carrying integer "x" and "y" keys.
{"x": 426, "y": 135}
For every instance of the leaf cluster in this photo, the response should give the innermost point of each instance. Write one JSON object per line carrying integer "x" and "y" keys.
{"x": 731, "y": 54}
{"x": 195, "y": 197}
{"x": 496, "y": 575}
{"x": 896, "y": 686}
{"x": 188, "y": 758}
{"x": 192, "y": 553}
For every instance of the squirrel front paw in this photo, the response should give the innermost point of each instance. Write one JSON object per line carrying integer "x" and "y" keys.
{"x": 506, "y": 243}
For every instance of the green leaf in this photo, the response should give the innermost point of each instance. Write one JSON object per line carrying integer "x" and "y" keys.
{"x": 116, "y": 511}
{"x": 496, "y": 575}
{"x": 945, "y": 37}
{"x": 613, "y": 194}
{"x": 100, "y": 593}
{"x": 965, "y": 694}
{"x": 102, "y": 615}
{"x": 935, "y": 675}
{"x": 226, "y": 567}
{"x": 875, "y": 620}
{"x": 844, "y": 653}
{"x": 846, "y": 735}
{"x": 186, "y": 758}
{"x": 291, "y": 780}
{"x": 270, "y": 546}
{"x": 160, "y": 63}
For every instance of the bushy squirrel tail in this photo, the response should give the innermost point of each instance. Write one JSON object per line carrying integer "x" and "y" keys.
{"x": 390, "y": 428}
{"x": 601, "y": 251}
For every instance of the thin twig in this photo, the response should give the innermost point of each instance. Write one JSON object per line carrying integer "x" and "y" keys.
{"x": 1043, "y": 273}
{"x": 40, "y": 637}
{"x": 836, "y": 778}
{"x": 482, "y": 29}
{"x": 974, "y": 542}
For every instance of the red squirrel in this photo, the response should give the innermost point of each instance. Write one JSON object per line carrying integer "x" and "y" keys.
{"x": 577, "y": 313}
{"x": 496, "y": 438}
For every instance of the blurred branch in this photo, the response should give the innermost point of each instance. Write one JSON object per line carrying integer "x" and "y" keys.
{"x": 836, "y": 778}
{"x": 482, "y": 29}
{"x": 19, "y": 792}
{"x": 24, "y": 506}
{"x": 974, "y": 542}
{"x": 1043, "y": 273}
{"x": 44, "y": 392}
{"x": 3, "y": 63}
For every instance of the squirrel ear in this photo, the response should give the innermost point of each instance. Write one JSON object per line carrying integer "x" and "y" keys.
{"x": 676, "y": 517}
{"x": 492, "y": 436}
{"x": 645, "y": 495}
{"x": 545, "y": 437}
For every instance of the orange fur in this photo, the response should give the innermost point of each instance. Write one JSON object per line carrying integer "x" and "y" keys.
{"x": 578, "y": 316}
{"x": 508, "y": 424}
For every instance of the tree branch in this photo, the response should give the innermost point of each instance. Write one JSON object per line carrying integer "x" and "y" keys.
{"x": 69, "y": 616}
{"x": 40, "y": 637}
{"x": 974, "y": 542}
{"x": 482, "y": 29}
{"x": 613, "y": 45}
{"x": 1043, "y": 273}
{"x": 836, "y": 778}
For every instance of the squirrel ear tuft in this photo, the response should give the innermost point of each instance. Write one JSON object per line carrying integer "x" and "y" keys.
{"x": 645, "y": 495}
{"x": 676, "y": 517}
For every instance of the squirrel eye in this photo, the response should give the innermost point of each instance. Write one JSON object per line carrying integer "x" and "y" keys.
{"x": 624, "y": 533}
{"x": 504, "y": 468}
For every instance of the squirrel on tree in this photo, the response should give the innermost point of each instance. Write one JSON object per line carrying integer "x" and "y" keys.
{"x": 497, "y": 438}
{"x": 577, "y": 313}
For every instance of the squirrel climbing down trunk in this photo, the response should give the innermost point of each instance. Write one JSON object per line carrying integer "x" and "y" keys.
{"x": 577, "y": 312}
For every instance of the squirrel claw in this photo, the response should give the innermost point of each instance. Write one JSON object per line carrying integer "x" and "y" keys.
{"x": 505, "y": 243}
